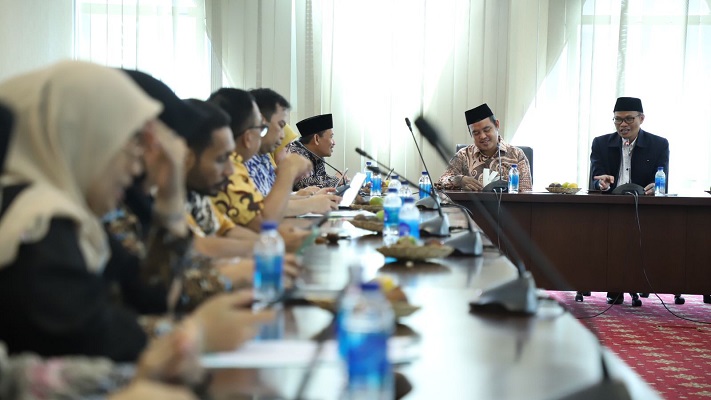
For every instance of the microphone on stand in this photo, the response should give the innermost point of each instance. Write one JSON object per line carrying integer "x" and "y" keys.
{"x": 438, "y": 226}
{"x": 467, "y": 243}
{"x": 519, "y": 295}
{"x": 317, "y": 156}
{"x": 433, "y": 201}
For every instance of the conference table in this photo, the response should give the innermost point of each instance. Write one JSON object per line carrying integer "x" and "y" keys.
{"x": 456, "y": 354}
{"x": 602, "y": 242}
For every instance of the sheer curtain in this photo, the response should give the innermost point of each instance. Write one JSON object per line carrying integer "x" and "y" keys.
{"x": 550, "y": 69}
{"x": 657, "y": 50}
{"x": 166, "y": 38}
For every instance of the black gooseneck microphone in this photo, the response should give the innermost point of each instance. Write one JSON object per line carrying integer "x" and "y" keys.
{"x": 519, "y": 295}
{"x": 439, "y": 225}
{"x": 435, "y": 200}
{"x": 317, "y": 156}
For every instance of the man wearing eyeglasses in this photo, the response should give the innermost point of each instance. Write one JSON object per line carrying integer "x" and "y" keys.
{"x": 241, "y": 200}
{"x": 629, "y": 155}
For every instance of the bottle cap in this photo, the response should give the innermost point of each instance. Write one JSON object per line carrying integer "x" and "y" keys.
{"x": 424, "y": 172}
{"x": 367, "y": 163}
{"x": 409, "y": 200}
{"x": 269, "y": 225}
{"x": 369, "y": 286}
{"x": 396, "y": 177}
{"x": 392, "y": 190}
{"x": 514, "y": 165}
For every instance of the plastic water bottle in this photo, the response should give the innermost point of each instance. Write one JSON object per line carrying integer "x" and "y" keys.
{"x": 394, "y": 183}
{"x": 268, "y": 263}
{"x": 368, "y": 173}
{"x": 405, "y": 191}
{"x": 367, "y": 325}
{"x": 513, "y": 179}
{"x": 391, "y": 208}
{"x": 425, "y": 185}
{"x": 660, "y": 182}
{"x": 409, "y": 224}
{"x": 350, "y": 298}
{"x": 376, "y": 185}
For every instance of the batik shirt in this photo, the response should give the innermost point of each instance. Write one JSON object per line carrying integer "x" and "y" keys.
{"x": 240, "y": 201}
{"x": 318, "y": 176}
{"x": 469, "y": 161}
{"x": 261, "y": 170}
{"x": 203, "y": 218}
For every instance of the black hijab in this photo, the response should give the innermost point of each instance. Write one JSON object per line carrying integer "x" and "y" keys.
{"x": 6, "y": 122}
{"x": 179, "y": 116}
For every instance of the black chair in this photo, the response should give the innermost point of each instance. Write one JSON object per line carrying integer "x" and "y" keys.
{"x": 528, "y": 151}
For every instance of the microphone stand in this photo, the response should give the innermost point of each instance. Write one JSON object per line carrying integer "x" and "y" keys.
{"x": 433, "y": 201}
{"x": 467, "y": 243}
{"x": 519, "y": 295}
{"x": 438, "y": 226}
{"x": 298, "y": 143}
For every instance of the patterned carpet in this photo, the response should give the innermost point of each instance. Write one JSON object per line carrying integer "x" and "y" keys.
{"x": 671, "y": 354}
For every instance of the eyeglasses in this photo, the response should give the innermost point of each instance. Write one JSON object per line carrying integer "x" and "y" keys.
{"x": 262, "y": 129}
{"x": 626, "y": 120}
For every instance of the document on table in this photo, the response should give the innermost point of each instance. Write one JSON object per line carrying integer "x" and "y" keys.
{"x": 297, "y": 353}
{"x": 339, "y": 214}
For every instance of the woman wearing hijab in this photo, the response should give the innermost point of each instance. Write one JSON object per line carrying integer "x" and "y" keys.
{"x": 81, "y": 133}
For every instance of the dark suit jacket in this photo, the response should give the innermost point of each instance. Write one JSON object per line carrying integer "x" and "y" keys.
{"x": 650, "y": 151}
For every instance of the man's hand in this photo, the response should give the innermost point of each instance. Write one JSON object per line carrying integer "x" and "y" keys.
{"x": 470, "y": 183}
{"x": 323, "y": 203}
{"x": 309, "y": 191}
{"x": 604, "y": 181}
{"x": 142, "y": 389}
{"x": 227, "y": 320}
{"x": 649, "y": 189}
{"x": 296, "y": 165}
{"x": 174, "y": 357}
{"x": 293, "y": 237}
{"x": 345, "y": 178}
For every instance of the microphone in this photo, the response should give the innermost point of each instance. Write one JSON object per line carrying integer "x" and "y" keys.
{"x": 438, "y": 226}
{"x": 433, "y": 200}
{"x": 317, "y": 156}
{"x": 519, "y": 295}
{"x": 467, "y": 243}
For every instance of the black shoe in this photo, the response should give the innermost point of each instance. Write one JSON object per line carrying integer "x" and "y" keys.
{"x": 587, "y": 293}
{"x": 678, "y": 299}
{"x": 615, "y": 298}
{"x": 707, "y": 298}
{"x": 645, "y": 295}
{"x": 579, "y": 296}
{"x": 636, "y": 302}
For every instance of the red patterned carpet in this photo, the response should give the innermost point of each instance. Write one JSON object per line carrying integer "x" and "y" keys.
{"x": 671, "y": 354}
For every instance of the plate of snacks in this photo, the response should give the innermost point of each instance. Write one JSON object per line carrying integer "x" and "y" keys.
{"x": 407, "y": 248}
{"x": 565, "y": 188}
{"x": 397, "y": 298}
{"x": 373, "y": 224}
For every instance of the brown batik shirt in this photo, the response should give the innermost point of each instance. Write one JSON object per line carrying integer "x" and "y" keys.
{"x": 469, "y": 161}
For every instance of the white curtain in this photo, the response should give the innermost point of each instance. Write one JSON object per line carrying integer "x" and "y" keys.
{"x": 550, "y": 69}
{"x": 166, "y": 38}
{"x": 34, "y": 33}
{"x": 657, "y": 50}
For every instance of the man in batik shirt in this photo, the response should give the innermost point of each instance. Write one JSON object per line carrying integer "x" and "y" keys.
{"x": 466, "y": 168}
{"x": 315, "y": 143}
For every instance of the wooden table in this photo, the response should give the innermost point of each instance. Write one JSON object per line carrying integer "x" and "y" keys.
{"x": 461, "y": 355}
{"x": 594, "y": 240}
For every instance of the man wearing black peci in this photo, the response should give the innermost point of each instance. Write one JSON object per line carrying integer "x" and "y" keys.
{"x": 629, "y": 155}
{"x": 315, "y": 143}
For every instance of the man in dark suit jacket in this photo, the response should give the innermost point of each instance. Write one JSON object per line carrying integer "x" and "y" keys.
{"x": 629, "y": 155}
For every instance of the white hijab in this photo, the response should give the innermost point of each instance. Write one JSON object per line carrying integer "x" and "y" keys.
{"x": 70, "y": 120}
